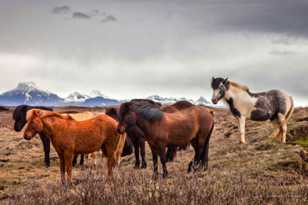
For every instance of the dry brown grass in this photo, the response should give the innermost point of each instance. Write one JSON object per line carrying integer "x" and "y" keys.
{"x": 262, "y": 172}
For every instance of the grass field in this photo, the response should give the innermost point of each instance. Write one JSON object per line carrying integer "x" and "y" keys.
{"x": 263, "y": 171}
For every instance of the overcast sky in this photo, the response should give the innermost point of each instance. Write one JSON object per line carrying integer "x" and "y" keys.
{"x": 136, "y": 48}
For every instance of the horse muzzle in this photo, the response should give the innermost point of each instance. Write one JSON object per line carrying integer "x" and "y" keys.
{"x": 27, "y": 137}
{"x": 215, "y": 101}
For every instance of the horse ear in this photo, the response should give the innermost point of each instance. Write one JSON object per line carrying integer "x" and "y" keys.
{"x": 226, "y": 80}
{"x": 30, "y": 114}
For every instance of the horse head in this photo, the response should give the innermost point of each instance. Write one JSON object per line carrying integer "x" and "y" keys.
{"x": 19, "y": 116}
{"x": 35, "y": 124}
{"x": 127, "y": 117}
{"x": 219, "y": 86}
{"x": 112, "y": 112}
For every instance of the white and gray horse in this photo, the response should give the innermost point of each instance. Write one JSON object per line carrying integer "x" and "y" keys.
{"x": 274, "y": 105}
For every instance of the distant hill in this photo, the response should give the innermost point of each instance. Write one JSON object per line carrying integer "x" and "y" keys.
{"x": 29, "y": 93}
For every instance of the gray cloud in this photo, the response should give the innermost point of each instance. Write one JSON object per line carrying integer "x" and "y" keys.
{"x": 109, "y": 18}
{"x": 279, "y": 16}
{"x": 80, "y": 15}
{"x": 61, "y": 9}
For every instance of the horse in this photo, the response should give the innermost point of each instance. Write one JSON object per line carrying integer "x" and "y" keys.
{"x": 274, "y": 105}
{"x": 20, "y": 120}
{"x": 70, "y": 137}
{"x": 135, "y": 136}
{"x": 191, "y": 125}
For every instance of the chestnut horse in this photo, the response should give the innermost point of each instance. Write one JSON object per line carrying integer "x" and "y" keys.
{"x": 191, "y": 125}
{"x": 70, "y": 137}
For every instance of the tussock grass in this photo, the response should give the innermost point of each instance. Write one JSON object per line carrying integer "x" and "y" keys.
{"x": 138, "y": 188}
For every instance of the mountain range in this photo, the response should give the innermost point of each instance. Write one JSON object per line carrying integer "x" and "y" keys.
{"x": 29, "y": 93}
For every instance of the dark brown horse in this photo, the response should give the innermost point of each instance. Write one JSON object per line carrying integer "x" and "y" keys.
{"x": 136, "y": 135}
{"x": 191, "y": 125}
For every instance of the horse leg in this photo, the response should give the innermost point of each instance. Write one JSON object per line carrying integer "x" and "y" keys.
{"x": 62, "y": 168}
{"x": 155, "y": 165}
{"x": 193, "y": 162}
{"x": 277, "y": 129}
{"x": 46, "y": 145}
{"x": 283, "y": 125}
{"x": 75, "y": 160}
{"x": 163, "y": 160}
{"x": 242, "y": 121}
{"x": 136, "y": 147}
{"x": 142, "y": 152}
{"x": 81, "y": 160}
{"x": 205, "y": 155}
{"x": 68, "y": 161}
{"x": 171, "y": 153}
{"x": 110, "y": 164}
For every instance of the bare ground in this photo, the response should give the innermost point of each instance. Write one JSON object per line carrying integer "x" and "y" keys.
{"x": 264, "y": 171}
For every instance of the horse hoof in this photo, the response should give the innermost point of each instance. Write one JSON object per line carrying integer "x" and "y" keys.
{"x": 137, "y": 166}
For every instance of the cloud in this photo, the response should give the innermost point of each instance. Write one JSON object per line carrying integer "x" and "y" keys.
{"x": 108, "y": 19}
{"x": 282, "y": 52}
{"x": 61, "y": 9}
{"x": 271, "y": 16}
{"x": 80, "y": 15}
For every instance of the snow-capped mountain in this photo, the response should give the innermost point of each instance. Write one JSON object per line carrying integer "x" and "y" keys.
{"x": 97, "y": 93}
{"x": 166, "y": 100}
{"x": 29, "y": 93}
{"x": 76, "y": 97}
{"x": 202, "y": 101}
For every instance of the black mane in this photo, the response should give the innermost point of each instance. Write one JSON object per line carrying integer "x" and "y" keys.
{"x": 182, "y": 104}
{"x": 20, "y": 114}
{"x": 148, "y": 109}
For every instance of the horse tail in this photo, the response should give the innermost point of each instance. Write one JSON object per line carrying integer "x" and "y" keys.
{"x": 291, "y": 110}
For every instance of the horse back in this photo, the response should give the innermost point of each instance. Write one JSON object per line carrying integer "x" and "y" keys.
{"x": 274, "y": 101}
{"x": 182, "y": 126}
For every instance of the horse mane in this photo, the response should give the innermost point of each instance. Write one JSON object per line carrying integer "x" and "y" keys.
{"x": 148, "y": 109}
{"x": 182, "y": 104}
{"x": 21, "y": 110}
{"x": 237, "y": 85}
{"x": 55, "y": 114}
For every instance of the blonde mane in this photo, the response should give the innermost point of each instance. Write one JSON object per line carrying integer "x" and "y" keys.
{"x": 237, "y": 85}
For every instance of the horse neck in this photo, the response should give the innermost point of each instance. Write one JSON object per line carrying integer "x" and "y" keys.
{"x": 240, "y": 97}
{"x": 51, "y": 123}
{"x": 145, "y": 125}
